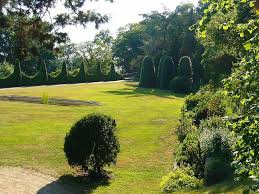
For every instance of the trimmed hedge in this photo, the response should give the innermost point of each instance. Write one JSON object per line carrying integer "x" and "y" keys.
{"x": 147, "y": 76}
{"x": 167, "y": 70}
{"x": 18, "y": 78}
{"x": 14, "y": 79}
{"x": 183, "y": 82}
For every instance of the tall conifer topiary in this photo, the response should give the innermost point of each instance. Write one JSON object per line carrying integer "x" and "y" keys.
{"x": 147, "y": 76}
{"x": 82, "y": 74}
{"x": 183, "y": 82}
{"x": 167, "y": 70}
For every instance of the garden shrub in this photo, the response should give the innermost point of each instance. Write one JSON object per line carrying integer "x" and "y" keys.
{"x": 216, "y": 170}
{"x": 99, "y": 74}
{"x": 189, "y": 153}
{"x": 92, "y": 144}
{"x": 81, "y": 74}
{"x": 185, "y": 67}
{"x": 167, "y": 70}
{"x": 113, "y": 75}
{"x": 60, "y": 78}
{"x": 14, "y": 79}
{"x": 147, "y": 76}
{"x": 182, "y": 83}
{"x": 204, "y": 104}
{"x": 215, "y": 138}
{"x": 183, "y": 128}
{"x": 179, "y": 179}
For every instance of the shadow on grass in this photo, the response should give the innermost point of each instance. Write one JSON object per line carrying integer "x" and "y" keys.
{"x": 136, "y": 91}
{"x": 69, "y": 184}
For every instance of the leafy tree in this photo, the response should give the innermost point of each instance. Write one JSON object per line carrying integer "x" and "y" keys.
{"x": 28, "y": 36}
{"x": 242, "y": 85}
{"x": 127, "y": 47}
{"x": 91, "y": 144}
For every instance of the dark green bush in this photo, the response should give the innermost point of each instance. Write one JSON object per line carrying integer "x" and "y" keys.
{"x": 181, "y": 84}
{"x": 60, "y": 78}
{"x": 14, "y": 79}
{"x": 92, "y": 144}
{"x": 113, "y": 75}
{"x": 216, "y": 170}
{"x": 40, "y": 77}
{"x": 181, "y": 179}
{"x": 99, "y": 75}
{"x": 167, "y": 70}
{"x": 185, "y": 67}
{"x": 147, "y": 76}
{"x": 82, "y": 74}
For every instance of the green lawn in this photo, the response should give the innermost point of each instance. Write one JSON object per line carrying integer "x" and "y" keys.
{"x": 32, "y": 135}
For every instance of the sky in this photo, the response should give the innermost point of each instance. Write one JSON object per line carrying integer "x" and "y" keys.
{"x": 121, "y": 13}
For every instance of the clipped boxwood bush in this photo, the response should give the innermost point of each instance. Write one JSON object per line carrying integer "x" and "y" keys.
{"x": 167, "y": 70}
{"x": 91, "y": 144}
{"x": 147, "y": 76}
{"x": 181, "y": 179}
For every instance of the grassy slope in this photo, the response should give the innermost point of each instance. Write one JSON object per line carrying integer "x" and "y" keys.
{"x": 32, "y": 135}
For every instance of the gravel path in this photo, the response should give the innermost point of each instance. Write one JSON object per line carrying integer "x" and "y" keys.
{"x": 14, "y": 180}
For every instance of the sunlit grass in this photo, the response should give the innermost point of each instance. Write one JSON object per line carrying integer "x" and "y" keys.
{"x": 32, "y": 135}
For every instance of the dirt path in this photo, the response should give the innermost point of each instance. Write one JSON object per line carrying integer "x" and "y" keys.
{"x": 22, "y": 181}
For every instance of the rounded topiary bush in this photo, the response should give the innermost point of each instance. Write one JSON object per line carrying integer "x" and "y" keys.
{"x": 91, "y": 144}
{"x": 167, "y": 70}
{"x": 181, "y": 84}
{"x": 147, "y": 76}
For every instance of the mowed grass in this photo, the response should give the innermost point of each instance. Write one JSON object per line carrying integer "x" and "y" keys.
{"x": 32, "y": 135}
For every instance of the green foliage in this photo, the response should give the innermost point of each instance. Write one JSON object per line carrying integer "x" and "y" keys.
{"x": 6, "y": 69}
{"x": 204, "y": 104}
{"x": 181, "y": 84}
{"x": 184, "y": 128}
{"x": 113, "y": 75}
{"x": 185, "y": 67}
{"x": 242, "y": 85}
{"x": 82, "y": 74}
{"x": 178, "y": 180}
{"x": 215, "y": 138}
{"x": 147, "y": 76}
{"x": 14, "y": 79}
{"x": 92, "y": 144}
{"x": 190, "y": 153}
{"x": 216, "y": 170}
{"x": 167, "y": 70}
{"x": 60, "y": 78}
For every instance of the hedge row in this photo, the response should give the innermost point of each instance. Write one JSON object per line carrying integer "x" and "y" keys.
{"x": 169, "y": 76}
{"x": 18, "y": 78}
